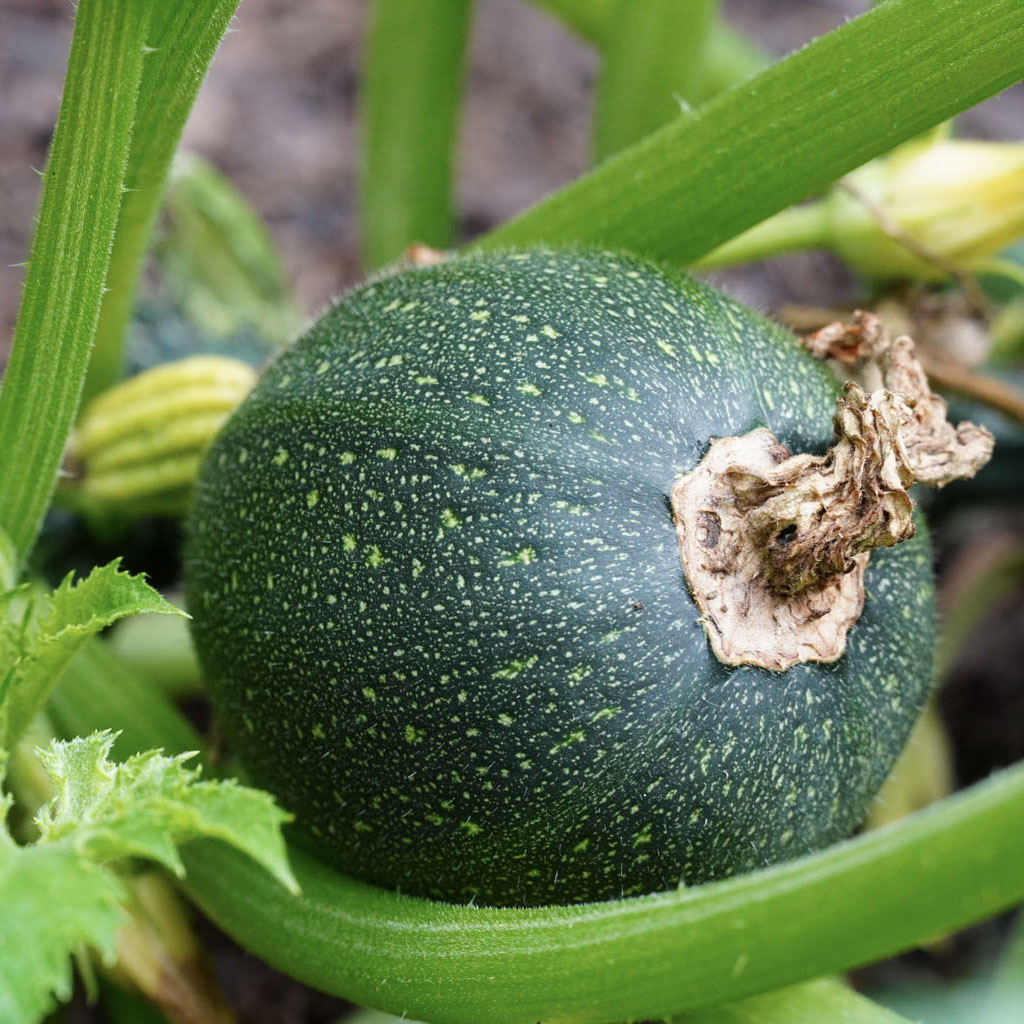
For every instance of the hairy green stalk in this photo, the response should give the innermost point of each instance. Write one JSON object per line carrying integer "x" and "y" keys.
{"x": 70, "y": 254}
{"x": 772, "y": 141}
{"x": 182, "y": 39}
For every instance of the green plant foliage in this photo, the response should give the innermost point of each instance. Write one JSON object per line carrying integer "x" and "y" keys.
{"x": 52, "y": 903}
{"x": 104, "y": 178}
{"x": 143, "y": 807}
{"x": 41, "y": 633}
{"x": 63, "y": 893}
{"x": 771, "y": 141}
{"x": 653, "y": 53}
{"x": 412, "y": 86}
{"x": 134, "y": 71}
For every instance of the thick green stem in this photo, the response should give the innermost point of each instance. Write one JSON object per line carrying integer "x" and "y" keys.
{"x": 799, "y": 227}
{"x": 770, "y": 142}
{"x": 182, "y": 39}
{"x": 70, "y": 254}
{"x": 652, "y": 59}
{"x": 413, "y": 80}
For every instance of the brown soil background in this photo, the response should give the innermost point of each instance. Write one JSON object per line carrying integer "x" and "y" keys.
{"x": 278, "y": 114}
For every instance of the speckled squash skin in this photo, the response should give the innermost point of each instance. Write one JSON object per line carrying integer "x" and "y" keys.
{"x": 437, "y": 593}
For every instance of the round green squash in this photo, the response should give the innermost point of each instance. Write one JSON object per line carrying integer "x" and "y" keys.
{"x": 438, "y": 597}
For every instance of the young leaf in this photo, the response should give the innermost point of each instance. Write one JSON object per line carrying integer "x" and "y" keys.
{"x": 146, "y": 805}
{"x": 35, "y": 651}
{"x": 69, "y": 257}
{"x": 63, "y": 893}
{"x": 772, "y": 140}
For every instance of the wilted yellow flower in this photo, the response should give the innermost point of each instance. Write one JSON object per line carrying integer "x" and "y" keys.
{"x": 933, "y": 207}
{"x": 929, "y": 207}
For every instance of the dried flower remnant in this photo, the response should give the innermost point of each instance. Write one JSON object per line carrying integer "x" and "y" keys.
{"x": 774, "y": 546}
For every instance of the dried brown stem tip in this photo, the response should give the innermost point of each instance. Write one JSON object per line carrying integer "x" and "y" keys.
{"x": 774, "y": 546}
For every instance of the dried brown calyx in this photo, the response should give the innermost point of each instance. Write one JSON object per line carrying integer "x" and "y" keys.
{"x": 774, "y": 546}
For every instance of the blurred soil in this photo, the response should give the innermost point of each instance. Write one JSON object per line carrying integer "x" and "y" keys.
{"x": 278, "y": 114}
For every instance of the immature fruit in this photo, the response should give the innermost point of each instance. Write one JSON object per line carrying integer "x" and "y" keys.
{"x": 438, "y": 595}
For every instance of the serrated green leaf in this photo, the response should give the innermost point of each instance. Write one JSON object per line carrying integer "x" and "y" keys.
{"x": 63, "y": 894}
{"x": 104, "y": 596}
{"x": 52, "y": 902}
{"x": 35, "y": 652}
{"x": 148, "y": 804}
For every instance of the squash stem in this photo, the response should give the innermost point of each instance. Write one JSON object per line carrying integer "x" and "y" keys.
{"x": 799, "y": 227}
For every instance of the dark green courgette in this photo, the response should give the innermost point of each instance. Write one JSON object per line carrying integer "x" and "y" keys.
{"x": 438, "y": 595}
